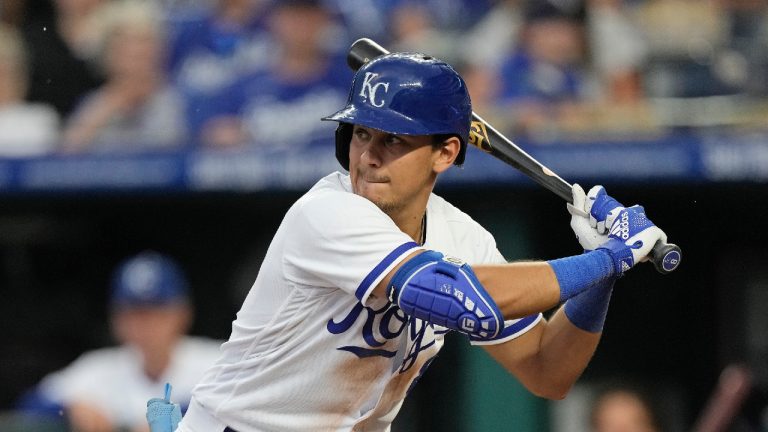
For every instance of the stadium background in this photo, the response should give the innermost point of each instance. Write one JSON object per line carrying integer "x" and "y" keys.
{"x": 65, "y": 221}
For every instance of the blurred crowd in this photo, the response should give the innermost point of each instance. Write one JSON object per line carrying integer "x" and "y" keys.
{"x": 140, "y": 75}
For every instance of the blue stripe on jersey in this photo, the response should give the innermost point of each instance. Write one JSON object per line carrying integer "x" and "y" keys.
{"x": 376, "y": 272}
{"x": 516, "y": 327}
{"x": 509, "y": 329}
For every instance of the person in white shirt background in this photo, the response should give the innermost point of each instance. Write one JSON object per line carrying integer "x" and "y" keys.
{"x": 150, "y": 311}
{"x": 26, "y": 128}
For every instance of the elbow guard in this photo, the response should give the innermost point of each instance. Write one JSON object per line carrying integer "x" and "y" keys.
{"x": 445, "y": 291}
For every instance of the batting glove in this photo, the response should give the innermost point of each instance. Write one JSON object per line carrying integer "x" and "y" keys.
{"x": 162, "y": 414}
{"x": 631, "y": 235}
{"x": 602, "y": 209}
{"x": 589, "y": 238}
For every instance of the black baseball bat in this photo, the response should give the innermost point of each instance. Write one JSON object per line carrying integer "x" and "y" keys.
{"x": 665, "y": 256}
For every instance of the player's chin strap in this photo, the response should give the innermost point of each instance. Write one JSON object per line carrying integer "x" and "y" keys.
{"x": 445, "y": 291}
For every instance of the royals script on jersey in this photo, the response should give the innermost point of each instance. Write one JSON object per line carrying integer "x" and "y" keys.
{"x": 309, "y": 349}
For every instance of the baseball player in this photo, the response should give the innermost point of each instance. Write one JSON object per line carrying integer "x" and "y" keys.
{"x": 370, "y": 270}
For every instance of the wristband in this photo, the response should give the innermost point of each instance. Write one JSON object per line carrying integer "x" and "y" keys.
{"x": 620, "y": 254}
{"x": 588, "y": 310}
{"x": 581, "y": 272}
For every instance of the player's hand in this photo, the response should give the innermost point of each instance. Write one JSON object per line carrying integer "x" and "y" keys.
{"x": 602, "y": 209}
{"x": 631, "y": 235}
{"x": 632, "y": 227}
{"x": 589, "y": 238}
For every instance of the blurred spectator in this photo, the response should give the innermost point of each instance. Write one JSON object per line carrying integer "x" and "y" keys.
{"x": 747, "y": 52}
{"x": 211, "y": 51}
{"x": 364, "y": 18}
{"x": 496, "y": 32}
{"x": 62, "y": 51}
{"x": 686, "y": 41}
{"x": 618, "y": 50}
{"x": 136, "y": 109}
{"x": 455, "y": 15}
{"x": 370, "y": 18}
{"x": 543, "y": 80}
{"x": 483, "y": 85}
{"x": 174, "y": 9}
{"x": 413, "y": 29}
{"x": 280, "y": 108}
{"x": 441, "y": 27}
{"x": 107, "y": 389}
{"x": 26, "y": 129}
{"x": 11, "y": 11}
{"x": 623, "y": 409}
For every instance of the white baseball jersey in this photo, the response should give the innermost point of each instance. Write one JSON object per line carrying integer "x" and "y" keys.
{"x": 309, "y": 350}
{"x": 112, "y": 380}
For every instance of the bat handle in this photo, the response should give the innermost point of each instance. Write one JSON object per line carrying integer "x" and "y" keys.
{"x": 665, "y": 257}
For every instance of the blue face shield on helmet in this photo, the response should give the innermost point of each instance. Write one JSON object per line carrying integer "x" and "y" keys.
{"x": 405, "y": 94}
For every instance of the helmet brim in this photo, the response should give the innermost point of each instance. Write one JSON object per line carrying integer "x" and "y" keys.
{"x": 396, "y": 123}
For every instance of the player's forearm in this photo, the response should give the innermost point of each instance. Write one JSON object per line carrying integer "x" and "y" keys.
{"x": 570, "y": 338}
{"x": 521, "y": 288}
{"x": 549, "y": 358}
{"x": 564, "y": 353}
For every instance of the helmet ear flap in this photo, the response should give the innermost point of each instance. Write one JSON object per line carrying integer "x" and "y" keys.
{"x": 343, "y": 138}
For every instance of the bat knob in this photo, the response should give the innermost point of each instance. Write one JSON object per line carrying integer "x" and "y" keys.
{"x": 666, "y": 257}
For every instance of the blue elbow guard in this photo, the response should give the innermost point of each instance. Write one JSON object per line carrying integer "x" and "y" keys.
{"x": 444, "y": 291}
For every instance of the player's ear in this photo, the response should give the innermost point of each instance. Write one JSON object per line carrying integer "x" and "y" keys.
{"x": 446, "y": 153}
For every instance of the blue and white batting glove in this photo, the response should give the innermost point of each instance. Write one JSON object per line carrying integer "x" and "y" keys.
{"x": 602, "y": 209}
{"x": 162, "y": 414}
{"x": 631, "y": 235}
{"x": 588, "y": 236}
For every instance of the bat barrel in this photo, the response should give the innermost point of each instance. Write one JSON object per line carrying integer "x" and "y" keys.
{"x": 362, "y": 51}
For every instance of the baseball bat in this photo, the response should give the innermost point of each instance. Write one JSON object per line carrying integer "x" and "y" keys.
{"x": 665, "y": 256}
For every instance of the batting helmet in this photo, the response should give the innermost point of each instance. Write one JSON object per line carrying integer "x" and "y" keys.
{"x": 406, "y": 94}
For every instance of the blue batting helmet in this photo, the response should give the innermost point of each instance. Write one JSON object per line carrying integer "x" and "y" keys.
{"x": 406, "y": 94}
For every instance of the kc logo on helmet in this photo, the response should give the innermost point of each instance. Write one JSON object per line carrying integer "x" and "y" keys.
{"x": 369, "y": 90}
